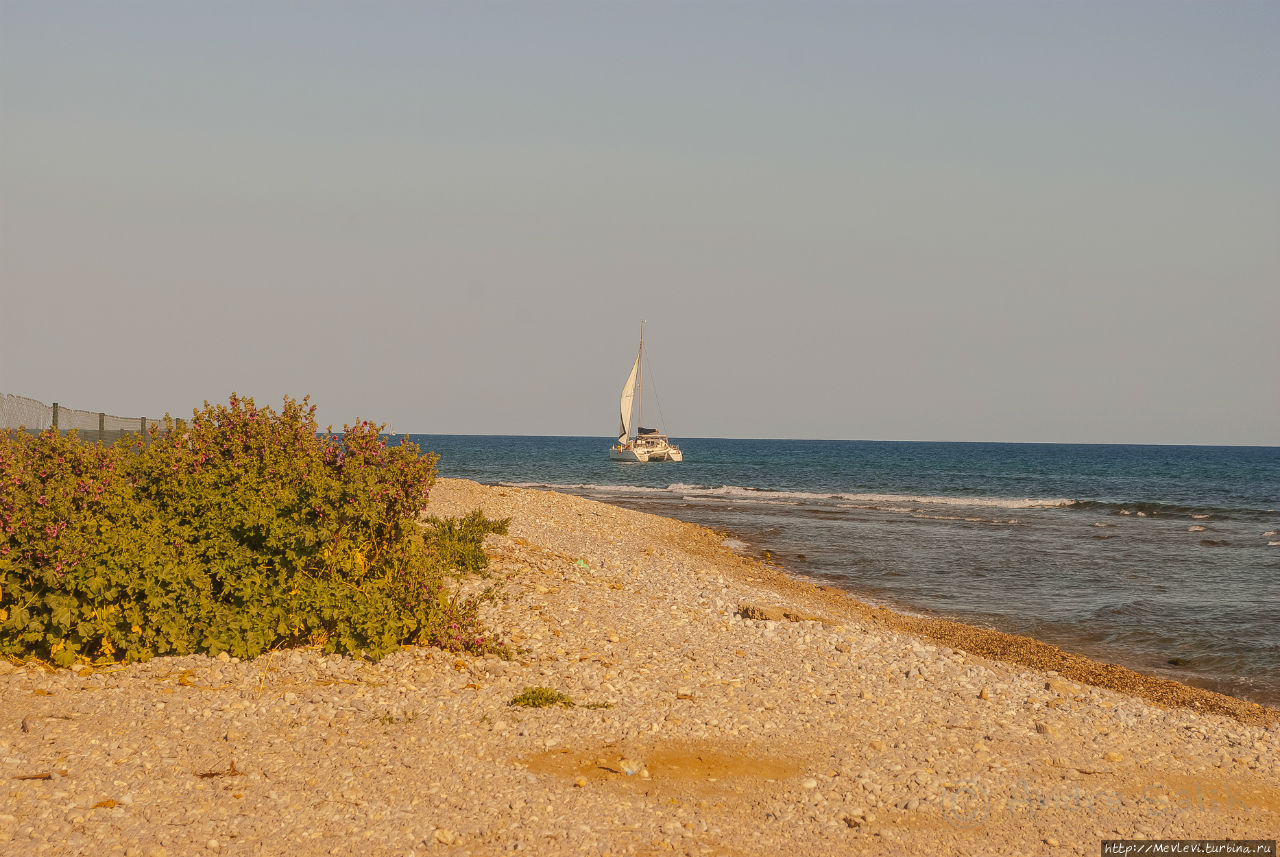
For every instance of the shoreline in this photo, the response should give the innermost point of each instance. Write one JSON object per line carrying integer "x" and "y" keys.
{"x": 1024, "y": 650}
{"x": 1006, "y": 646}
{"x": 823, "y": 726}
{"x": 1021, "y": 650}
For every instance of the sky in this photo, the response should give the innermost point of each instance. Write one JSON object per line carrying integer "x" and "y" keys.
{"x": 986, "y": 221}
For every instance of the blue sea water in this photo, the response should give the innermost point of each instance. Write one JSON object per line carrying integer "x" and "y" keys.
{"x": 1165, "y": 559}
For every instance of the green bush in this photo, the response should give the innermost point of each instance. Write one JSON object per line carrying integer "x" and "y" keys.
{"x": 238, "y": 531}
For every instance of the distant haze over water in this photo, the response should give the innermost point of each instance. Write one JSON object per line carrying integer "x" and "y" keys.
{"x": 1165, "y": 559}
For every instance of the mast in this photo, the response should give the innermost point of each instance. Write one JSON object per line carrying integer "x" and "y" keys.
{"x": 639, "y": 384}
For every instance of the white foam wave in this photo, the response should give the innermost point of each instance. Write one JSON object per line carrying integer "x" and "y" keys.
{"x": 880, "y": 502}
{"x": 873, "y": 508}
{"x": 889, "y": 502}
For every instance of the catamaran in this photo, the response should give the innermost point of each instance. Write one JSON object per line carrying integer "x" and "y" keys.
{"x": 647, "y": 444}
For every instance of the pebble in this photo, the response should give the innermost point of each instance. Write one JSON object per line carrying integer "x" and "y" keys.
{"x": 688, "y": 725}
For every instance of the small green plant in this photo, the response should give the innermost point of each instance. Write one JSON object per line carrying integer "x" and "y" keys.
{"x": 541, "y": 697}
{"x": 459, "y": 543}
{"x": 389, "y": 719}
{"x": 598, "y": 705}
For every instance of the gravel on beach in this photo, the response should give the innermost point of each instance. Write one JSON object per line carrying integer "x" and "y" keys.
{"x": 721, "y": 707}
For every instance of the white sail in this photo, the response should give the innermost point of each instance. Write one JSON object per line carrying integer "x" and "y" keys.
{"x": 648, "y": 444}
{"x": 628, "y": 395}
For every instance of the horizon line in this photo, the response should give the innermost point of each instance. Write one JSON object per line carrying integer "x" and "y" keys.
{"x": 612, "y": 438}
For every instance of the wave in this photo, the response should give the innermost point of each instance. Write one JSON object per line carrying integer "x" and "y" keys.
{"x": 882, "y": 502}
{"x": 887, "y": 502}
{"x": 968, "y": 519}
{"x": 1142, "y": 509}
{"x": 904, "y": 503}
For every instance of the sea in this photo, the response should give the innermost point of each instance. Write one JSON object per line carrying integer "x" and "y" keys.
{"x": 1164, "y": 559}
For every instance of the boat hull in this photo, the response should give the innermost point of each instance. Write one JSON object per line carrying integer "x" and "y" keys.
{"x": 642, "y": 454}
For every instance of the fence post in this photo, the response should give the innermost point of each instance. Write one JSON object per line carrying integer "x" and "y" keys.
{"x": 55, "y": 416}
{"x": 142, "y": 422}
{"x": 102, "y": 424}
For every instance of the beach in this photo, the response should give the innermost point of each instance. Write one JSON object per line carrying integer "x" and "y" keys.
{"x": 722, "y": 707}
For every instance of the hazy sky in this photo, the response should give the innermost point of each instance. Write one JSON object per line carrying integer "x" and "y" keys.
{"x": 1020, "y": 221}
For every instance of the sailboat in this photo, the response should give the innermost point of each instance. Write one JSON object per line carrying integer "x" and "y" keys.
{"x": 647, "y": 444}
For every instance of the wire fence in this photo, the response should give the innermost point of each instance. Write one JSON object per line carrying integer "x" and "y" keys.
{"x": 19, "y": 412}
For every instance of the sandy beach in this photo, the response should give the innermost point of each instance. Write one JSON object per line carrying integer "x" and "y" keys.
{"x": 722, "y": 707}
